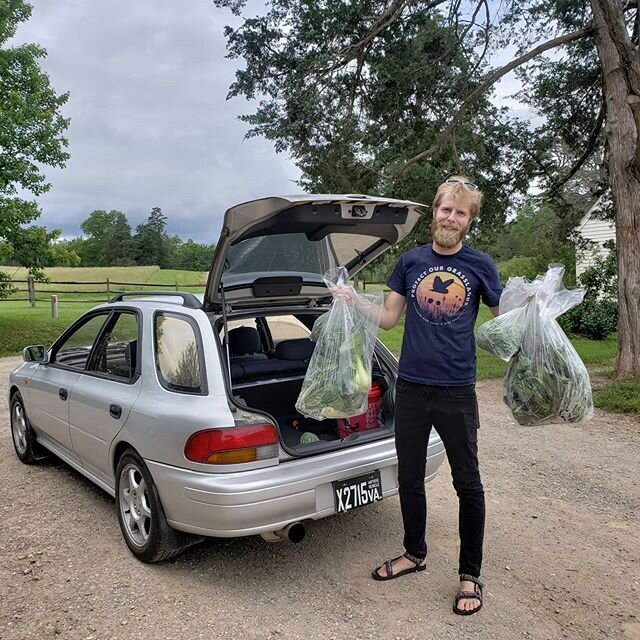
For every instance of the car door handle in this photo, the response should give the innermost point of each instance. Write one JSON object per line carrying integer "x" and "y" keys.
{"x": 115, "y": 411}
{"x": 63, "y": 393}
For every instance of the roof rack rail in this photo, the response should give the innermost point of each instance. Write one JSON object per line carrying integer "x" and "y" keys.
{"x": 188, "y": 299}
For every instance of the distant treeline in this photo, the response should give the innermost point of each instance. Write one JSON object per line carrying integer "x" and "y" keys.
{"x": 108, "y": 242}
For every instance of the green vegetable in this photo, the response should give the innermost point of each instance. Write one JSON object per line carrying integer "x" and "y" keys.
{"x": 338, "y": 378}
{"x": 502, "y": 336}
{"x": 546, "y": 381}
{"x": 307, "y": 438}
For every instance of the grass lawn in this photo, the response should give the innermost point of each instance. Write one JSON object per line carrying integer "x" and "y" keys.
{"x": 182, "y": 278}
{"x": 21, "y": 325}
{"x": 619, "y": 397}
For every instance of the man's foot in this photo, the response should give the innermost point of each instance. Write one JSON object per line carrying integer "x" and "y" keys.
{"x": 399, "y": 566}
{"x": 469, "y": 598}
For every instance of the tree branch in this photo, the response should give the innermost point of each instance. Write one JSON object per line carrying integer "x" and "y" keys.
{"x": 473, "y": 19}
{"x": 389, "y": 16}
{"x": 476, "y": 66}
{"x": 482, "y": 88}
{"x": 591, "y": 144}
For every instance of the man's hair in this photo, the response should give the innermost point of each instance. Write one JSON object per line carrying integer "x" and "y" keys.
{"x": 459, "y": 190}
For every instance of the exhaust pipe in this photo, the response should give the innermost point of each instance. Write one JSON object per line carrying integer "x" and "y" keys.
{"x": 293, "y": 532}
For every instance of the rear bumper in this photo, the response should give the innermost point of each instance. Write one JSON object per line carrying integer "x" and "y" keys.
{"x": 262, "y": 500}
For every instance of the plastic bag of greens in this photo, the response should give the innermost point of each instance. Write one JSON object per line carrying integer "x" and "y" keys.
{"x": 546, "y": 380}
{"x": 338, "y": 378}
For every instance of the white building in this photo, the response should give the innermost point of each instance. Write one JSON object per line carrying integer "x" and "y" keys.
{"x": 596, "y": 230}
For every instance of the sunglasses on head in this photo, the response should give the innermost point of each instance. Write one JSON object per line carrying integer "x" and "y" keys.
{"x": 469, "y": 185}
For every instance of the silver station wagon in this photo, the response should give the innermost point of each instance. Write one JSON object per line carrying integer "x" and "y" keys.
{"x": 182, "y": 407}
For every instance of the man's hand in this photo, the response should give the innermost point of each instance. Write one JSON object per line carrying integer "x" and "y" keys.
{"x": 344, "y": 292}
{"x": 391, "y": 310}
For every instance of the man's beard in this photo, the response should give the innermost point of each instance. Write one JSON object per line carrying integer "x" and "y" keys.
{"x": 447, "y": 238}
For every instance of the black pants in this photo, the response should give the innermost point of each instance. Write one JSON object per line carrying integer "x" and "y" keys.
{"x": 453, "y": 411}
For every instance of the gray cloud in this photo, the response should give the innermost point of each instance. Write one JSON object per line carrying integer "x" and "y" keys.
{"x": 150, "y": 124}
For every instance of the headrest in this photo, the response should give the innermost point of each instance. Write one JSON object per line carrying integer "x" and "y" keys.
{"x": 298, "y": 349}
{"x": 244, "y": 340}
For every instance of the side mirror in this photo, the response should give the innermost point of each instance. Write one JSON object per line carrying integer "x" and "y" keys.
{"x": 35, "y": 353}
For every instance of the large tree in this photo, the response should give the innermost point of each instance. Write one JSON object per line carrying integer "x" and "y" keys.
{"x": 31, "y": 135}
{"x": 389, "y": 96}
{"x": 151, "y": 243}
{"x": 108, "y": 240}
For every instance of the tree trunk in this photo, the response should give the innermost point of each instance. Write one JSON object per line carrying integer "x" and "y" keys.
{"x": 624, "y": 175}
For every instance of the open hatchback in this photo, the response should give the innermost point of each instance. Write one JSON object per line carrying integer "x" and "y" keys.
{"x": 266, "y": 290}
{"x": 276, "y": 250}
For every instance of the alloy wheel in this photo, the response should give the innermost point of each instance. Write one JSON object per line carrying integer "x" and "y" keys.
{"x": 19, "y": 428}
{"x": 134, "y": 505}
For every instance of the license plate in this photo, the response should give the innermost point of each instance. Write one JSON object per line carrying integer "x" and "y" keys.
{"x": 357, "y": 492}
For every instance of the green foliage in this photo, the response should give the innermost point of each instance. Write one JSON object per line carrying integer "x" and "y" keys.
{"x": 339, "y": 374}
{"x": 31, "y": 136}
{"x": 6, "y": 287}
{"x": 526, "y": 267}
{"x": 597, "y": 316}
{"x": 192, "y": 256}
{"x": 351, "y": 108}
{"x": 537, "y": 237}
{"x": 108, "y": 241}
{"x": 151, "y": 242}
{"x": 502, "y": 336}
{"x": 548, "y": 386}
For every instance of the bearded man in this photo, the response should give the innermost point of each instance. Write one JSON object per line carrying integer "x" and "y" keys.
{"x": 441, "y": 285}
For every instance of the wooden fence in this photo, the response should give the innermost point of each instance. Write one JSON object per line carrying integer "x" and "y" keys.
{"x": 29, "y": 291}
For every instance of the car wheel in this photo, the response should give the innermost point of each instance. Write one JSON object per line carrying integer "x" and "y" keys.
{"x": 141, "y": 516}
{"x": 24, "y": 439}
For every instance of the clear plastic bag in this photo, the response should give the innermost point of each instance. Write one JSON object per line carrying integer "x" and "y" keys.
{"x": 338, "y": 378}
{"x": 546, "y": 381}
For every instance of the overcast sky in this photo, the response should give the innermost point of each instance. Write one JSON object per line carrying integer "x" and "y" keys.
{"x": 150, "y": 125}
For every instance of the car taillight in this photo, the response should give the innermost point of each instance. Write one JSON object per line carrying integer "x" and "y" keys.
{"x": 233, "y": 445}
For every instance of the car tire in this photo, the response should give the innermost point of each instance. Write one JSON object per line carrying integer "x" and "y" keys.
{"x": 24, "y": 439}
{"x": 141, "y": 516}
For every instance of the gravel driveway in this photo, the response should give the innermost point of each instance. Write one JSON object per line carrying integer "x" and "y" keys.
{"x": 561, "y": 555}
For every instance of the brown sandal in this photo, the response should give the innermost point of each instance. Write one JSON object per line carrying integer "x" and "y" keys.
{"x": 375, "y": 574}
{"x": 476, "y": 594}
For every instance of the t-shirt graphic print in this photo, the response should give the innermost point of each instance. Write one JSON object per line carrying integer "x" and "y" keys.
{"x": 440, "y": 296}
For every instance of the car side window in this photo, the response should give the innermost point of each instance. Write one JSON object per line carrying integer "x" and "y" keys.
{"x": 116, "y": 353}
{"x": 74, "y": 351}
{"x": 177, "y": 354}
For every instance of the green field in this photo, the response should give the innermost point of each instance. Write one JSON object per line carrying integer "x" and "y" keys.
{"x": 95, "y": 288}
{"x": 21, "y": 325}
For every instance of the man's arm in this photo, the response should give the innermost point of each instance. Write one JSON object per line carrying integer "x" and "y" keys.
{"x": 495, "y": 311}
{"x": 392, "y": 308}
{"x": 394, "y": 305}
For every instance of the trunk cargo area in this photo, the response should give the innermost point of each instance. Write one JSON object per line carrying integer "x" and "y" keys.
{"x": 278, "y": 398}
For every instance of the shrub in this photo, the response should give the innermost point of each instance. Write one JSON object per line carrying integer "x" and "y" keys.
{"x": 518, "y": 266}
{"x": 597, "y": 316}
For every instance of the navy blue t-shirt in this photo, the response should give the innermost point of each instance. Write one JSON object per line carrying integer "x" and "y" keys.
{"x": 443, "y": 296}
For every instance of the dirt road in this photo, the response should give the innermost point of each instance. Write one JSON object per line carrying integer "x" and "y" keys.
{"x": 562, "y": 554}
